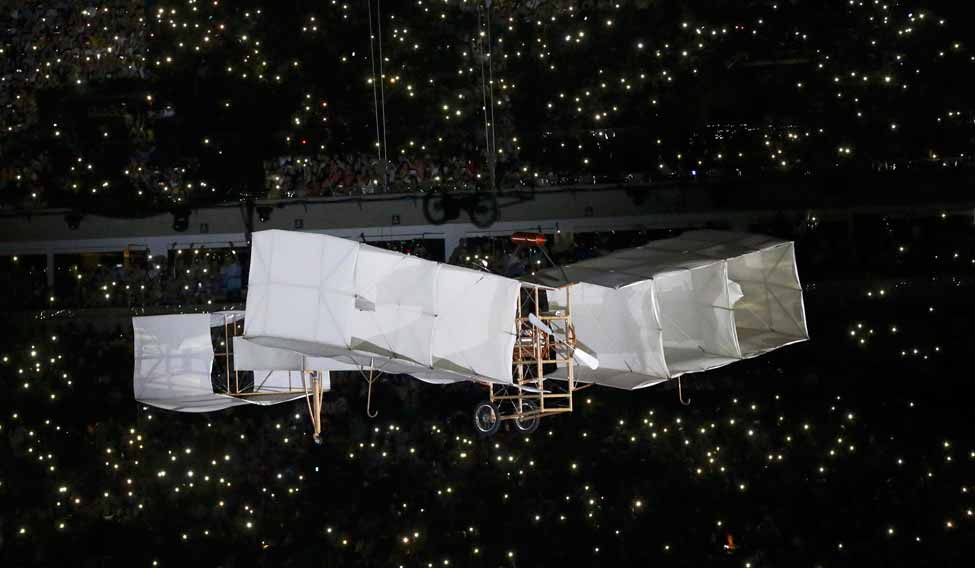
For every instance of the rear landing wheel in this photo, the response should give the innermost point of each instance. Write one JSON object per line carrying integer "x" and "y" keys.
{"x": 527, "y": 425}
{"x": 487, "y": 419}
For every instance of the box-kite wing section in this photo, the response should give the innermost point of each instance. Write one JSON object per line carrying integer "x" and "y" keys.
{"x": 687, "y": 304}
{"x": 367, "y": 307}
{"x": 173, "y": 363}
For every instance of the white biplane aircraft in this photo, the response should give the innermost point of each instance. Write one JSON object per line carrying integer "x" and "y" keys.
{"x": 318, "y": 303}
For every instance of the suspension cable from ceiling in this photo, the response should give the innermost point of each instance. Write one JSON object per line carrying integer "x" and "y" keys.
{"x": 490, "y": 58}
{"x": 382, "y": 94}
{"x": 487, "y": 87}
{"x": 375, "y": 95}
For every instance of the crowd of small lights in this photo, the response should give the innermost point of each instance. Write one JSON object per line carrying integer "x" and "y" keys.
{"x": 730, "y": 449}
{"x": 456, "y": 73}
{"x": 607, "y": 471}
{"x": 191, "y": 276}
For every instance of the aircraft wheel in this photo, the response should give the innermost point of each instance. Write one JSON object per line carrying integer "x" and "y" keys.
{"x": 487, "y": 419}
{"x": 527, "y": 425}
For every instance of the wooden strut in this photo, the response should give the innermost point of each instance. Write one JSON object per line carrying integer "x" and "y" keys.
{"x": 570, "y": 335}
{"x": 540, "y": 342}
{"x": 227, "y": 355}
{"x": 317, "y": 385}
{"x": 680, "y": 395}
{"x": 236, "y": 373}
{"x": 531, "y": 352}
{"x": 521, "y": 367}
{"x": 314, "y": 403}
{"x": 226, "y": 346}
{"x": 314, "y": 397}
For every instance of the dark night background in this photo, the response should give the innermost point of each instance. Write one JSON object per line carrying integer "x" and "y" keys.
{"x": 854, "y": 448}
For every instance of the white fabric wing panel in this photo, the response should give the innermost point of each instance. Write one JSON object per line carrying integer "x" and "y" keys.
{"x": 266, "y": 380}
{"x": 226, "y": 317}
{"x": 771, "y": 313}
{"x": 288, "y": 384}
{"x": 301, "y": 288}
{"x": 717, "y": 297}
{"x": 475, "y": 331}
{"x": 249, "y": 356}
{"x": 698, "y": 323}
{"x": 275, "y": 371}
{"x": 620, "y": 326}
{"x": 329, "y": 297}
{"x": 395, "y": 305}
{"x": 173, "y": 361}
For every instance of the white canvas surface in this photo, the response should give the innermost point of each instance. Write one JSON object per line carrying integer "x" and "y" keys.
{"x": 716, "y": 296}
{"x": 621, "y": 328}
{"x": 173, "y": 359}
{"x": 333, "y": 298}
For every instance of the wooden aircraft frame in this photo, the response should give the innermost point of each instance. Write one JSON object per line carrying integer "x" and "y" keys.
{"x": 313, "y": 390}
{"x": 531, "y": 396}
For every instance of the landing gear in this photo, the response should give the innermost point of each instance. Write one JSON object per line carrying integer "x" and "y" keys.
{"x": 487, "y": 419}
{"x": 529, "y": 424}
{"x": 545, "y": 344}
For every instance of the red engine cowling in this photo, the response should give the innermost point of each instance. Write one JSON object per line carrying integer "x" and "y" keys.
{"x": 536, "y": 239}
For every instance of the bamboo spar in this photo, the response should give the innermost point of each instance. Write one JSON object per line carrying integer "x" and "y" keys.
{"x": 226, "y": 347}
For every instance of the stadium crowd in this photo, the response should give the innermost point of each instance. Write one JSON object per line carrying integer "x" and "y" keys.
{"x": 55, "y": 43}
{"x": 854, "y": 444}
{"x": 196, "y": 276}
{"x": 322, "y": 175}
{"x": 345, "y": 174}
{"x": 68, "y": 70}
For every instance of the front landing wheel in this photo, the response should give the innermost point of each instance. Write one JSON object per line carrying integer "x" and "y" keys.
{"x": 487, "y": 419}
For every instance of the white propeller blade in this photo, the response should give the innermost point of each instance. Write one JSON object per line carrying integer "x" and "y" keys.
{"x": 586, "y": 359}
{"x": 533, "y": 319}
{"x": 578, "y": 354}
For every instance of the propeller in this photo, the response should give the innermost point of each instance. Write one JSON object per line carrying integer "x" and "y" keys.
{"x": 533, "y": 319}
{"x": 585, "y": 358}
{"x": 580, "y": 355}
